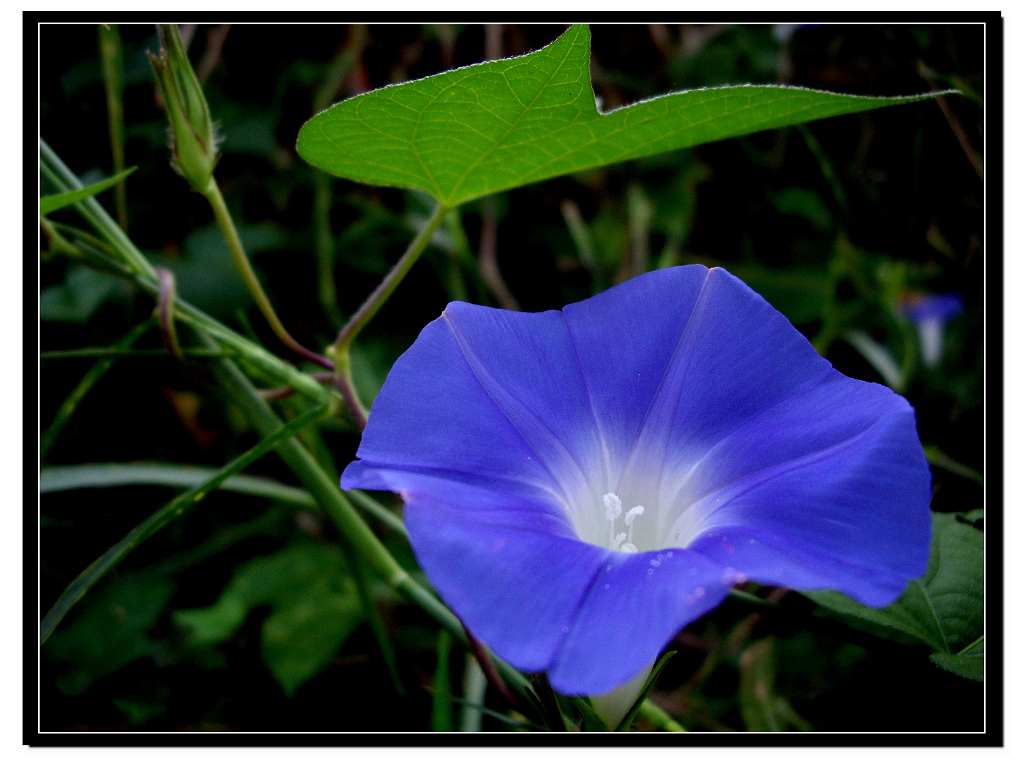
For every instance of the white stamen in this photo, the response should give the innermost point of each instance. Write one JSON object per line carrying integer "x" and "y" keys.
{"x": 622, "y": 541}
{"x": 633, "y": 514}
{"x": 631, "y": 517}
{"x": 612, "y": 506}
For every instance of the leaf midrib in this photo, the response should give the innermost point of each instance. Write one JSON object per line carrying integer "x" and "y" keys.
{"x": 932, "y": 614}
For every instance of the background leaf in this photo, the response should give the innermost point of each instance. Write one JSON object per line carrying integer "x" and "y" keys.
{"x": 314, "y": 610}
{"x": 111, "y": 630}
{"x": 489, "y": 127}
{"x": 944, "y": 608}
{"x": 762, "y": 708}
{"x": 78, "y": 298}
{"x": 275, "y": 580}
{"x": 303, "y": 636}
{"x": 969, "y": 663}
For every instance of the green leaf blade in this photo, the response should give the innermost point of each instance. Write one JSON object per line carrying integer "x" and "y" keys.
{"x": 70, "y": 478}
{"x": 944, "y": 608}
{"x": 50, "y": 203}
{"x": 489, "y": 127}
{"x": 969, "y": 663}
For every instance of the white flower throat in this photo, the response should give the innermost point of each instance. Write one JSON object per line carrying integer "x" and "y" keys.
{"x": 614, "y": 520}
{"x": 620, "y": 540}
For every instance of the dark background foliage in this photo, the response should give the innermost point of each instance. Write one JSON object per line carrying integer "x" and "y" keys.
{"x": 832, "y": 222}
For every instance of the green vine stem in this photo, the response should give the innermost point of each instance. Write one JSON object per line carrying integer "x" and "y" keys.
{"x": 111, "y": 61}
{"x": 115, "y": 353}
{"x": 340, "y": 349}
{"x": 58, "y": 244}
{"x": 387, "y": 286}
{"x": 54, "y": 170}
{"x": 347, "y": 387}
{"x": 141, "y": 272}
{"x": 244, "y": 267}
{"x": 323, "y": 241}
{"x": 659, "y": 718}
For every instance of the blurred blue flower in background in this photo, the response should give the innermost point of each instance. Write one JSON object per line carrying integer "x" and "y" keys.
{"x": 929, "y": 313}
{"x": 581, "y": 484}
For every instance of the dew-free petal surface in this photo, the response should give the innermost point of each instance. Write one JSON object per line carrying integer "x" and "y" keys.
{"x": 853, "y": 517}
{"x": 735, "y": 357}
{"x": 623, "y": 340}
{"x": 516, "y": 588}
{"x": 526, "y": 363}
{"x": 632, "y": 609}
{"x": 433, "y": 415}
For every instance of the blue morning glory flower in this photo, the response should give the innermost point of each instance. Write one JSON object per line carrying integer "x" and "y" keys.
{"x": 930, "y": 312}
{"x": 581, "y": 484}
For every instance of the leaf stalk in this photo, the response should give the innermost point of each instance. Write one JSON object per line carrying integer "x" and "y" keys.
{"x": 387, "y": 286}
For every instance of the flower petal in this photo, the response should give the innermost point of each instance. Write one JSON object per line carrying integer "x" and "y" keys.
{"x": 453, "y": 489}
{"x": 624, "y": 339}
{"x": 441, "y": 412}
{"x": 516, "y": 588}
{"x": 823, "y": 414}
{"x": 526, "y": 363}
{"x": 736, "y": 357}
{"x": 852, "y": 516}
{"x": 632, "y": 610}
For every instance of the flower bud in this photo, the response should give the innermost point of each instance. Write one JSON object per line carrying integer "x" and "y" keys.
{"x": 192, "y": 134}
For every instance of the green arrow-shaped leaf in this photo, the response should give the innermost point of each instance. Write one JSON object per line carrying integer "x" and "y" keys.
{"x": 468, "y": 132}
{"x": 944, "y": 608}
